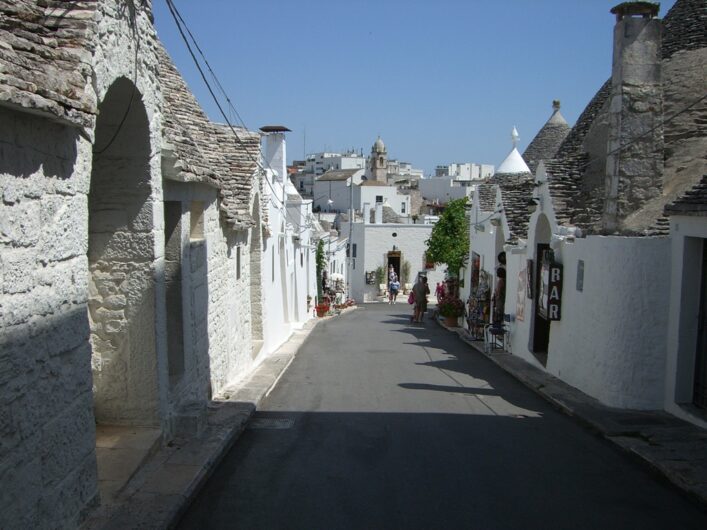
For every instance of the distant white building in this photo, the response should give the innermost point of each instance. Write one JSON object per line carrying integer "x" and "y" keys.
{"x": 333, "y": 193}
{"x": 441, "y": 190}
{"x": 316, "y": 164}
{"x": 465, "y": 171}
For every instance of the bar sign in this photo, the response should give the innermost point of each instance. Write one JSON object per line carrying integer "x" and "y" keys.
{"x": 554, "y": 302}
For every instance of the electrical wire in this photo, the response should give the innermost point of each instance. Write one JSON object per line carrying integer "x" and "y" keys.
{"x": 179, "y": 21}
{"x": 136, "y": 35}
{"x": 646, "y": 133}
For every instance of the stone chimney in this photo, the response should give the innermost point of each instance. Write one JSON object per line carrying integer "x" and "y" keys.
{"x": 274, "y": 150}
{"x": 634, "y": 164}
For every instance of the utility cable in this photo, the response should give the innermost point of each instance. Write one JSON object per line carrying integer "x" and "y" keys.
{"x": 132, "y": 94}
{"x": 179, "y": 21}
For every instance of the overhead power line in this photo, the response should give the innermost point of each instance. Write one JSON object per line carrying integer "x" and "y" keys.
{"x": 182, "y": 27}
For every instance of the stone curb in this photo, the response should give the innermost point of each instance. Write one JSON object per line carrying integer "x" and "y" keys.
{"x": 162, "y": 490}
{"x": 643, "y": 435}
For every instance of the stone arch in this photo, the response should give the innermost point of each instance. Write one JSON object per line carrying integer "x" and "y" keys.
{"x": 121, "y": 257}
{"x": 256, "y": 281}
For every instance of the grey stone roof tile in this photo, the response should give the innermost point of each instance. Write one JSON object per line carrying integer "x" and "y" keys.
{"x": 197, "y": 150}
{"x": 548, "y": 140}
{"x": 487, "y": 197}
{"x": 45, "y": 58}
{"x": 692, "y": 202}
{"x": 516, "y": 191}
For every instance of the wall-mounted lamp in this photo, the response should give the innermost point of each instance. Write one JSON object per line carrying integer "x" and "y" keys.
{"x": 533, "y": 204}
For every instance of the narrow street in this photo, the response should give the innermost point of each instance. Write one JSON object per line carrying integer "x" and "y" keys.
{"x": 379, "y": 423}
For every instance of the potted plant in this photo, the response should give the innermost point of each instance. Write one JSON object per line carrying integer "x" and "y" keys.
{"x": 322, "y": 309}
{"x": 451, "y": 308}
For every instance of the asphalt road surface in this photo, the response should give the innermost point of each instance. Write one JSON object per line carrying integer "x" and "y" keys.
{"x": 379, "y": 423}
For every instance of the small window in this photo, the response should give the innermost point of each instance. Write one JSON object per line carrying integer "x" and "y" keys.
{"x": 379, "y": 199}
{"x": 196, "y": 216}
{"x": 402, "y": 207}
{"x": 301, "y": 259}
{"x": 354, "y": 251}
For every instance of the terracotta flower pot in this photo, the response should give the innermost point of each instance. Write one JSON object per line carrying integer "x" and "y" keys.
{"x": 451, "y": 322}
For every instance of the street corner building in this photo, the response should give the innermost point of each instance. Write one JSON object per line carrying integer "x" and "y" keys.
{"x": 145, "y": 261}
{"x": 613, "y": 209}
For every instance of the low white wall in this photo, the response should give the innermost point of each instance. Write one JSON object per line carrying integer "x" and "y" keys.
{"x": 610, "y": 342}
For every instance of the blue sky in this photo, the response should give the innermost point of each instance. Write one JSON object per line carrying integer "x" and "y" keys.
{"x": 440, "y": 81}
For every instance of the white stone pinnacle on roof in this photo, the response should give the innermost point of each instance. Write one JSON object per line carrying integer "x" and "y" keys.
{"x": 514, "y": 163}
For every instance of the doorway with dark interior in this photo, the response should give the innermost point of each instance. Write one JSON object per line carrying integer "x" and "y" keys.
{"x": 394, "y": 260}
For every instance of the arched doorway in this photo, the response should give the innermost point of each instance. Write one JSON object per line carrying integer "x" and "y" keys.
{"x": 256, "y": 284}
{"x": 540, "y": 323}
{"x": 121, "y": 242}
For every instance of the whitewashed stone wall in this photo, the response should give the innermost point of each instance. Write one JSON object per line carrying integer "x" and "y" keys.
{"x": 47, "y": 425}
{"x": 46, "y": 406}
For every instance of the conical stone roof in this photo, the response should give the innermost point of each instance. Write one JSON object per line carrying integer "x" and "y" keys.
{"x": 548, "y": 140}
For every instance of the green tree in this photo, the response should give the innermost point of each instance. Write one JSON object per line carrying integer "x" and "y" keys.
{"x": 321, "y": 265}
{"x": 449, "y": 241}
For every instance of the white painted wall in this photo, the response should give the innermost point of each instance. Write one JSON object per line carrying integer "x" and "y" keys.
{"x": 366, "y": 195}
{"x": 285, "y": 279}
{"x": 610, "y": 342}
{"x": 688, "y": 234}
{"x": 336, "y": 190}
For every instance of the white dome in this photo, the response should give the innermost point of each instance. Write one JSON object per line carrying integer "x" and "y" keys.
{"x": 379, "y": 146}
{"x": 513, "y": 164}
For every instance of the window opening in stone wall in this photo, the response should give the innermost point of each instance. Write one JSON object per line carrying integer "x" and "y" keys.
{"x": 173, "y": 288}
{"x": 402, "y": 207}
{"x": 379, "y": 199}
{"x": 238, "y": 263}
{"x": 196, "y": 215}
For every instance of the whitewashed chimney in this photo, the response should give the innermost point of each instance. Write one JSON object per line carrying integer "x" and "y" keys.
{"x": 379, "y": 213}
{"x": 366, "y": 213}
{"x": 274, "y": 150}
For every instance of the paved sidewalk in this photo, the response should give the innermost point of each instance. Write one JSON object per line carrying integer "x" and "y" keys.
{"x": 159, "y": 493}
{"x": 672, "y": 448}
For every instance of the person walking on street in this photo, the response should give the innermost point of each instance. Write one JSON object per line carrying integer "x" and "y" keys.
{"x": 393, "y": 288}
{"x": 420, "y": 290}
